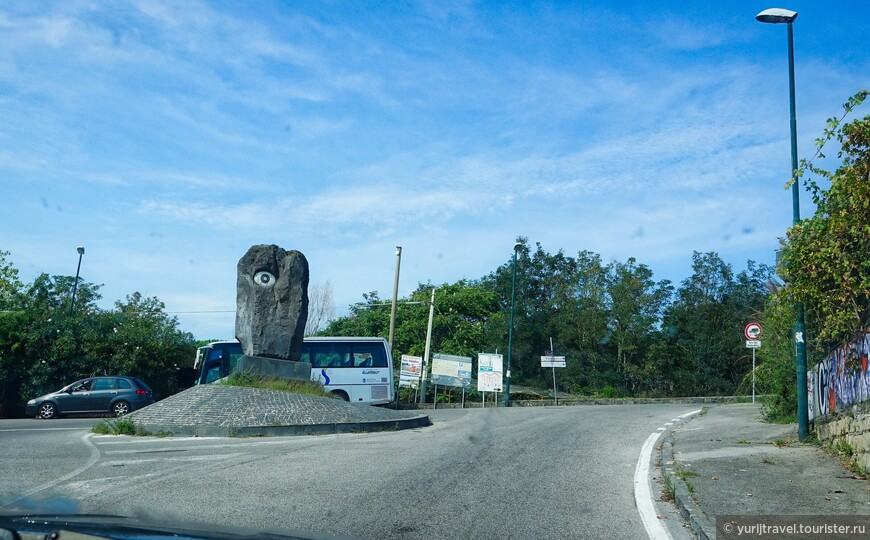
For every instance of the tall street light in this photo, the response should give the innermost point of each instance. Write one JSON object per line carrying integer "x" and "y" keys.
{"x": 81, "y": 250}
{"x": 777, "y": 16}
{"x": 507, "y": 383}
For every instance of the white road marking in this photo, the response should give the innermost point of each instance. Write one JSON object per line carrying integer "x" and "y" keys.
{"x": 47, "y": 429}
{"x": 643, "y": 489}
{"x": 125, "y": 462}
{"x": 104, "y": 440}
{"x": 92, "y": 459}
{"x": 240, "y": 444}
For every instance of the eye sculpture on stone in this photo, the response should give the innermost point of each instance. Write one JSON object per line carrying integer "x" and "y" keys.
{"x": 264, "y": 279}
{"x": 271, "y": 302}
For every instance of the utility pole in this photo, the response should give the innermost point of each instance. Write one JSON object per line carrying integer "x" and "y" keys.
{"x": 395, "y": 296}
{"x": 428, "y": 347}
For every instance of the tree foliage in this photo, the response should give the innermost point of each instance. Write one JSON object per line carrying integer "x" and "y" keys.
{"x": 827, "y": 258}
{"x": 623, "y": 332}
{"x": 43, "y": 348}
{"x": 825, "y": 261}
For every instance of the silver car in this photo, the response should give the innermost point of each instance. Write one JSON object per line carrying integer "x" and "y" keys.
{"x": 116, "y": 395}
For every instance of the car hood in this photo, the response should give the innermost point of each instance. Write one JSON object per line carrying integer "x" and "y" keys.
{"x": 49, "y": 395}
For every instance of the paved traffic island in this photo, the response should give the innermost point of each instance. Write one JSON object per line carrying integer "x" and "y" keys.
{"x": 215, "y": 410}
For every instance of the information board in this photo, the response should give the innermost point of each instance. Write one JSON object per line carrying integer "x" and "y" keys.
{"x": 489, "y": 372}
{"x": 449, "y": 370}
{"x": 412, "y": 367}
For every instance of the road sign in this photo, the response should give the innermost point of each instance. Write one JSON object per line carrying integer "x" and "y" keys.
{"x": 552, "y": 361}
{"x": 752, "y": 331}
{"x": 753, "y": 343}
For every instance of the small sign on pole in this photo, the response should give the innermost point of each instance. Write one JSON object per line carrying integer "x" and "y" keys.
{"x": 553, "y": 361}
{"x": 753, "y": 333}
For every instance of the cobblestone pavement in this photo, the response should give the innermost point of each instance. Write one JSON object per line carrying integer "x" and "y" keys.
{"x": 237, "y": 407}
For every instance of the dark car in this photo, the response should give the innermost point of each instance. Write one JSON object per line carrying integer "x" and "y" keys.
{"x": 116, "y": 395}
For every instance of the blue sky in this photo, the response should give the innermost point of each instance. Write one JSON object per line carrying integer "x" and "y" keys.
{"x": 168, "y": 137}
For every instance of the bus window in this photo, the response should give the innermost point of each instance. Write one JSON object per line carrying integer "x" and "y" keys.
{"x": 365, "y": 355}
{"x": 331, "y": 355}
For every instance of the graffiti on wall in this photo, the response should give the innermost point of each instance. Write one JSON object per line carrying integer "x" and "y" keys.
{"x": 841, "y": 379}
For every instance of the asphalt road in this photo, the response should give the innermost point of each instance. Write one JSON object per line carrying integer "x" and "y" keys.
{"x": 560, "y": 472}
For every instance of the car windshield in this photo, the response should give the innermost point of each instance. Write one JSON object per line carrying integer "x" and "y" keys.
{"x": 429, "y": 269}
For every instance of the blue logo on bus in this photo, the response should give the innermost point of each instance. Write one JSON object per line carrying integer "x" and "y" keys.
{"x": 325, "y": 377}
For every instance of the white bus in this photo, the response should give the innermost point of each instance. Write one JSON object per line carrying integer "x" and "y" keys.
{"x": 357, "y": 369}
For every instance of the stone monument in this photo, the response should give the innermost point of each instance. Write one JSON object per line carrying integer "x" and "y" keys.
{"x": 271, "y": 311}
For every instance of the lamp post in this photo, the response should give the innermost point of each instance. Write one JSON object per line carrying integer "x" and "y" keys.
{"x": 777, "y": 16}
{"x": 81, "y": 250}
{"x": 507, "y": 383}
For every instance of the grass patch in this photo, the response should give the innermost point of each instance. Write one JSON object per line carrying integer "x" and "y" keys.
{"x": 122, "y": 427}
{"x": 743, "y": 441}
{"x": 842, "y": 448}
{"x": 781, "y": 443}
{"x": 690, "y": 487}
{"x": 844, "y": 452}
{"x": 704, "y": 410}
{"x": 296, "y": 386}
{"x": 670, "y": 492}
{"x": 683, "y": 474}
{"x": 767, "y": 461}
{"x": 859, "y": 469}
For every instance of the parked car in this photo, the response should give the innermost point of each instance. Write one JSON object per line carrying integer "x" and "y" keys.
{"x": 116, "y": 395}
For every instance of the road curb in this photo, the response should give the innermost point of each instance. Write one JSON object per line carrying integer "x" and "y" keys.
{"x": 700, "y": 523}
{"x": 176, "y": 430}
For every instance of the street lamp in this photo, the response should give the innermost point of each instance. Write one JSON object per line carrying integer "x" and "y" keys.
{"x": 507, "y": 384}
{"x": 81, "y": 250}
{"x": 776, "y": 16}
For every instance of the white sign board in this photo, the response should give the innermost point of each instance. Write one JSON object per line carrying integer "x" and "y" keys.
{"x": 412, "y": 367}
{"x": 449, "y": 370}
{"x": 489, "y": 372}
{"x": 753, "y": 344}
{"x": 552, "y": 361}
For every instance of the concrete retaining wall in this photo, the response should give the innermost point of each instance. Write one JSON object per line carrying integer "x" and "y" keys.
{"x": 851, "y": 426}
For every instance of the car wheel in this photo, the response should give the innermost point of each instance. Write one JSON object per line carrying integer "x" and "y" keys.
{"x": 47, "y": 410}
{"x": 342, "y": 395}
{"x": 120, "y": 408}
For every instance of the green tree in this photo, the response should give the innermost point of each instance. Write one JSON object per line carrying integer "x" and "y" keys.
{"x": 10, "y": 285}
{"x": 635, "y": 307}
{"x": 775, "y": 374}
{"x": 704, "y": 326}
{"x": 42, "y": 347}
{"x": 827, "y": 257}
